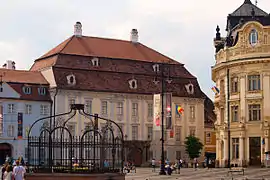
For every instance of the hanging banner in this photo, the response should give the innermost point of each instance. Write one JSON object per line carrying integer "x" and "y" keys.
{"x": 157, "y": 112}
{"x": 168, "y": 112}
{"x": 1, "y": 119}
{"x": 20, "y": 125}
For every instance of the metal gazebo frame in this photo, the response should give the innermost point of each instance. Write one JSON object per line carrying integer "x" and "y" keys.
{"x": 56, "y": 149}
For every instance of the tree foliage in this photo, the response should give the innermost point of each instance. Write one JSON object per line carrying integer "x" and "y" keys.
{"x": 193, "y": 147}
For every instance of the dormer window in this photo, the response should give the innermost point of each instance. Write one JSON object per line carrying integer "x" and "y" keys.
{"x": 42, "y": 91}
{"x": 190, "y": 88}
{"x": 133, "y": 84}
{"x": 27, "y": 90}
{"x": 156, "y": 67}
{"x": 253, "y": 37}
{"x": 71, "y": 79}
{"x": 95, "y": 62}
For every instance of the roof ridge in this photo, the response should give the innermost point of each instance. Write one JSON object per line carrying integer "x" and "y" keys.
{"x": 18, "y": 70}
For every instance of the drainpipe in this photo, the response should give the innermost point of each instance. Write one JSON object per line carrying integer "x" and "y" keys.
{"x": 54, "y": 105}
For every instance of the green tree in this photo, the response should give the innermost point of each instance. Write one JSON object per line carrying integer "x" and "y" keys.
{"x": 193, "y": 147}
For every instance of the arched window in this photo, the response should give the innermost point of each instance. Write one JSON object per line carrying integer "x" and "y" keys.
{"x": 253, "y": 37}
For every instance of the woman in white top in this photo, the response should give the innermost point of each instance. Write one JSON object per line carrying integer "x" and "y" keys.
{"x": 8, "y": 173}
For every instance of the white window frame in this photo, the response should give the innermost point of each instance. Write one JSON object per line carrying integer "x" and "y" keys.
{"x": 11, "y": 108}
{"x": 235, "y": 113}
{"x": 134, "y": 132}
{"x": 42, "y": 91}
{"x": 192, "y": 131}
{"x": 234, "y": 85}
{"x": 150, "y": 132}
{"x": 88, "y": 106}
{"x": 27, "y": 90}
{"x": 11, "y": 131}
{"x": 235, "y": 148}
{"x": 254, "y": 82}
{"x": 44, "y": 110}
{"x": 150, "y": 111}
{"x": 178, "y": 133}
{"x": 135, "y": 109}
{"x": 104, "y": 107}
{"x": 253, "y": 37}
{"x": 28, "y": 109}
{"x": 254, "y": 111}
{"x": 192, "y": 112}
{"x": 120, "y": 108}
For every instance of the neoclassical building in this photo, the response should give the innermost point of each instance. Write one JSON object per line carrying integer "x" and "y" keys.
{"x": 242, "y": 75}
{"x": 117, "y": 79}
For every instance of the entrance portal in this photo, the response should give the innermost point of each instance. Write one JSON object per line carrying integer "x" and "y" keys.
{"x": 255, "y": 151}
{"x": 5, "y": 150}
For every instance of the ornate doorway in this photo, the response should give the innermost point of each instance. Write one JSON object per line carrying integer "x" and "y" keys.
{"x": 255, "y": 151}
{"x": 5, "y": 150}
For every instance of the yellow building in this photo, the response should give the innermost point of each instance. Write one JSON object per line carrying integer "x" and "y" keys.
{"x": 242, "y": 77}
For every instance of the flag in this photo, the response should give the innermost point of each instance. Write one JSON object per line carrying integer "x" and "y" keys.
{"x": 215, "y": 90}
{"x": 179, "y": 110}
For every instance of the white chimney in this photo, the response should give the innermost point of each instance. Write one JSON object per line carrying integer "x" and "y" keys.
{"x": 134, "y": 37}
{"x": 9, "y": 65}
{"x": 78, "y": 29}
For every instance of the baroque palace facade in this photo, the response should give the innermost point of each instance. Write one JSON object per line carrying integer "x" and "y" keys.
{"x": 115, "y": 78}
{"x": 242, "y": 75}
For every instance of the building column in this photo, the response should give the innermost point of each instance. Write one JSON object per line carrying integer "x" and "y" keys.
{"x": 241, "y": 150}
{"x": 225, "y": 150}
{"x": 217, "y": 152}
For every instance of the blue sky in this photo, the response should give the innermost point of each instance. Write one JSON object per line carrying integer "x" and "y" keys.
{"x": 181, "y": 29}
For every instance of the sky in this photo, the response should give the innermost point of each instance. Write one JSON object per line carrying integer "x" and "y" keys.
{"x": 181, "y": 29}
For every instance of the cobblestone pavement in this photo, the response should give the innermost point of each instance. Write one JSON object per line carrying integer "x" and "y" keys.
{"x": 202, "y": 174}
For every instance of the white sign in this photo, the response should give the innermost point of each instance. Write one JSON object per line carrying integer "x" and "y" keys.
{"x": 157, "y": 112}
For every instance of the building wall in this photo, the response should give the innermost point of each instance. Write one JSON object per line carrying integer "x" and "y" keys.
{"x": 210, "y": 140}
{"x": 10, "y": 123}
{"x": 143, "y": 120}
{"x": 243, "y": 61}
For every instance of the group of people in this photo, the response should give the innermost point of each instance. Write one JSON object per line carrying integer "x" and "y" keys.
{"x": 13, "y": 171}
{"x": 129, "y": 167}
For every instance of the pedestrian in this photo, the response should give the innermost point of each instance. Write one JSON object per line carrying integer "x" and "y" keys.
{"x": 209, "y": 163}
{"x": 153, "y": 165}
{"x": 195, "y": 163}
{"x": 18, "y": 171}
{"x": 3, "y": 170}
{"x": 8, "y": 173}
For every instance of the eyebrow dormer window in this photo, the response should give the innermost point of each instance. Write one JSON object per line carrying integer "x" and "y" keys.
{"x": 42, "y": 91}
{"x": 253, "y": 37}
{"x": 156, "y": 68}
{"x": 27, "y": 90}
{"x": 95, "y": 62}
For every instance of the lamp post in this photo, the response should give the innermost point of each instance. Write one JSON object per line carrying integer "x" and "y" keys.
{"x": 228, "y": 118}
{"x": 161, "y": 68}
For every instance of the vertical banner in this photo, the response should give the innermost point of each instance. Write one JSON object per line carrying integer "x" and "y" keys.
{"x": 157, "y": 112}
{"x": 20, "y": 125}
{"x": 1, "y": 119}
{"x": 168, "y": 111}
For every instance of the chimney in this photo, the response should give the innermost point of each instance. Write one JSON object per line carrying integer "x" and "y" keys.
{"x": 9, "y": 65}
{"x": 78, "y": 29}
{"x": 134, "y": 37}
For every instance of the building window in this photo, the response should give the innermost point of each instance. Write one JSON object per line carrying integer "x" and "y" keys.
{"x": 104, "y": 107}
{"x": 253, "y": 37}
{"x": 156, "y": 68}
{"x": 235, "y": 148}
{"x": 234, "y": 110}
{"x": 132, "y": 84}
{"x": 71, "y": 128}
{"x": 27, "y": 90}
{"x": 208, "y": 138}
{"x": 11, "y": 108}
{"x": 95, "y": 62}
{"x": 134, "y": 132}
{"x": 192, "y": 131}
{"x": 10, "y": 132}
{"x": 150, "y": 132}
{"x": 254, "y": 82}
{"x": 178, "y": 133}
{"x": 28, "y": 109}
{"x": 150, "y": 110}
{"x": 178, "y": 154}
{"x": 192, "y": 112}
{"x": 42, "y": 91}
{"x": 88, "y": 106}
{"x": 254, "y": 112}
{"x": 134, "y": 109}
{"x": 234, "y": 85}
{"x": 119, "y": 108}
{"x": 44, "y": 109}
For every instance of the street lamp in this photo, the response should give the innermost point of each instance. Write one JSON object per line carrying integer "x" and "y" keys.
{"x": 159, "y": 69}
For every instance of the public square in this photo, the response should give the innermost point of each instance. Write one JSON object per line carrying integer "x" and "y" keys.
{"x": 202, "y": 174}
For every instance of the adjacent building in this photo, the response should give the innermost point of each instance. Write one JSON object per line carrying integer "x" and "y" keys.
{"x": 24, "y": 98}
{"x": 242, "y": 75}
{"x": 117, "y": 79}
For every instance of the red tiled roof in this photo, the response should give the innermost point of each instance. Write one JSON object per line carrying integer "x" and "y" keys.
{"x": 21, "y": 76}
{"x": 108, "y": 48}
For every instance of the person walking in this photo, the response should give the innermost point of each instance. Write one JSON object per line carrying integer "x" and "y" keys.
{"x": 195, "y": 164}
{"x": 18, "y": 171}
{"x": 153, "y": 165}
{"x": 8, "y": 173}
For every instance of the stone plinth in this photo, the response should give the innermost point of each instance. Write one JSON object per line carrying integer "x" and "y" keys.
{"x": 70, "y": 176}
